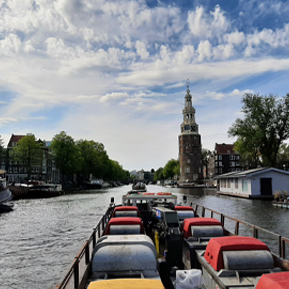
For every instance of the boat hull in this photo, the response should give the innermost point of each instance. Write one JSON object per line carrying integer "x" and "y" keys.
{"x": 20, "y": 192}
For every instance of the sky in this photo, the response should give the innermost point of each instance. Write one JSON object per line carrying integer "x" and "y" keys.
{"x": 116, "y": 72}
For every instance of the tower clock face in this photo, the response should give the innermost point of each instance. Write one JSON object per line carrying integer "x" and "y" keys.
{"x": 194, "y": 128}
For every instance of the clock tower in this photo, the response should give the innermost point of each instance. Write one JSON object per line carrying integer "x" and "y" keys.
{"x": 190, "y": 148}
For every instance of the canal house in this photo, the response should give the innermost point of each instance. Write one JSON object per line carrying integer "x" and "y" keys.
{"x": 254, "y": 183}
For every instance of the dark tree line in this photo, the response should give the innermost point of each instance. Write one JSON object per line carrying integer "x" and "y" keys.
{"x": 83, "y": 158}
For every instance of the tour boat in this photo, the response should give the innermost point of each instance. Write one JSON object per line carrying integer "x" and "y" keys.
{"x": 149, "y": 241}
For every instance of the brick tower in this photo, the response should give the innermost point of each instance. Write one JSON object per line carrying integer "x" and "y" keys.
{"x": 190, "y": 148}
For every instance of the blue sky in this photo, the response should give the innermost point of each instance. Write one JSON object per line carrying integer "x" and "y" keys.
{"x": 115, "y": 71}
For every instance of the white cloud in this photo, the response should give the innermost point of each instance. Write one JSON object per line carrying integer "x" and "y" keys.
{"x": 204, "y": 51}
{"x": 206, "y": 26}
{"x": 141, "y": 50}
{"x": 11, "y": 44}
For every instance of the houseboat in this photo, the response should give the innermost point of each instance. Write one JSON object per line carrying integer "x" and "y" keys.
{"x": 151, "y": 241}
{"x": 260, "y": 183}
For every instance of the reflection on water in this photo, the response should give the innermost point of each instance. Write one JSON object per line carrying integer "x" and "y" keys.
{"x": 40, "y": 238}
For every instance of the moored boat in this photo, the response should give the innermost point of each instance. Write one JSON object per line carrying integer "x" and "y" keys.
{"x": 35, "y": 190}
{"x": 138, "y": 187}
{"x": 5, "y": 194}
{"x": 144, "y": 240}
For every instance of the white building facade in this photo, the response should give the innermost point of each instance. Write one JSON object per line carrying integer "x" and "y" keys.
{"x": 255, "y": 183}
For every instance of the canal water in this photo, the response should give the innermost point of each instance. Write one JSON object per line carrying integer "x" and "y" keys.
{"x": 39, "y": 239}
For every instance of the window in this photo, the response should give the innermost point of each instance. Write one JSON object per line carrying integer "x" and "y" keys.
{"x": 220, "y": 164}
{"x": 187, "y": 169}
{"x": 232, "y": 157}
{"x": 237, "y": 157}
{"x": 220, "y": 157}
{"x": 232, "y": 164}
{"x": 220, "y": 170}
{"x": 188, "y": 161}
{"x": 244, "y": 185}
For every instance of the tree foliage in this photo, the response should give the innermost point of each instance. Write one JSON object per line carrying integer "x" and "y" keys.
{"x": 206, "y": 155}
{"x": 94, "y": 159}
{"x": 159, "y": 174}
{"x": 171, "y": 169}
{"x": 29, "y": 152}
{"x": 263, "y": 129}
{"x": 66, "y": 154}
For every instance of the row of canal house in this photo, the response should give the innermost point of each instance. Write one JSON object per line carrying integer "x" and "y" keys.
{"x": 16, "y": 170}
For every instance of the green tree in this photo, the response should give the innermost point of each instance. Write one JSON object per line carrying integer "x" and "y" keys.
{"x": 206, "y": 155}
{"x": 283, "y": 156}
{"x": 171, "y": 169}
{"x": 116, "y": 172}
{"x": 66, "y": 155}
{"x": 158, "y": 174}
{"x": 29, "y": 152}
{"x": 263, "y": 129}
{"x": 94, "y": 159}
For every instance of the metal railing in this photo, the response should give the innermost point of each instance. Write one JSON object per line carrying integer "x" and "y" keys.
{"x": 269, "y": 237}
{"x": 80, "y": 265}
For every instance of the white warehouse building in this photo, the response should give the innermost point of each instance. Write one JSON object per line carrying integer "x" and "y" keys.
{"x": 255, "y": 183}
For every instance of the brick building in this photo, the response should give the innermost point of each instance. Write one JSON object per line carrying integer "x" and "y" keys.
{"x": 226, "y": 159}
{"x": 190, "y": 148}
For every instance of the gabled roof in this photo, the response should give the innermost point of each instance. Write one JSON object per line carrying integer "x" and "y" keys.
{"x": 225, "y": 149}
{"x": 250, "y": 173}
{"x": 14, "y": 139}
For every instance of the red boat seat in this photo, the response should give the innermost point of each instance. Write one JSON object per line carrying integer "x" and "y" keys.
{"x": 124, "y": 225}
{"x": 274, "y": 280}
{"x": 183, "y": 208}
{"x": 192, "y": 222}
{"x": 126, "y": 211}
{"x": 216, "y": 247}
